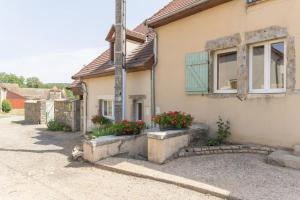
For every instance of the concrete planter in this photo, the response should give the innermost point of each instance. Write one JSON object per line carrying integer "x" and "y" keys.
{"x": 107, "y": 146}
{"x": 158, "y": 146}
{"x": 163, "y": 145}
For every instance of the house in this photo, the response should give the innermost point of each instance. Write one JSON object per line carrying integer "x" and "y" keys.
{"x": 230, "y": 58}
{"x": 17, "y": 96}
{"x": 98, "y": 78}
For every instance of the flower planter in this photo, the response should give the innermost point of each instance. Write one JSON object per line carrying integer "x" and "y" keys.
{"x": 171, "y": 128}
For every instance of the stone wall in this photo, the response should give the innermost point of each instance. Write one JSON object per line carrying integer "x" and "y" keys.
{"x": 35, "y": 112}
{"x": 68, "y": 112}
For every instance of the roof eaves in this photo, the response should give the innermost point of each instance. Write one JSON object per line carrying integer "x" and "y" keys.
{"x": 184, "y": 12}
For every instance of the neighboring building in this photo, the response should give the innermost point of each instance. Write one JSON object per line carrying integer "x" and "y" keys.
{"x": 99, "y": 80}
{"x": 230, "y": 58}
{"x": 17, "y": 96}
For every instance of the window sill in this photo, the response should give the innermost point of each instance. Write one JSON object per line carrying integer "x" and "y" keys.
{"x": 266, "y": 95}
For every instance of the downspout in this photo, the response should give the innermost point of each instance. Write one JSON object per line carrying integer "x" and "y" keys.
{"x": 153, "y": 99}
{"x": 85, "y": 100}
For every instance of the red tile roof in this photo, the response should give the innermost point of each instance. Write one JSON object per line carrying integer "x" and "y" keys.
{"x": 139, "y": 58}
{"x": 173, "y": 6}
{"x": 178, "y": 9}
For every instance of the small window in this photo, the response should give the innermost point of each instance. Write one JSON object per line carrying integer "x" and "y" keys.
{"x": 225, "y": 71}
{"x": 107, "y": 108}
{"x": 267, "y": 67}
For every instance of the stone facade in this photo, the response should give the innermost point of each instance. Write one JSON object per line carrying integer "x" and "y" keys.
{"x": 35, "y": 112}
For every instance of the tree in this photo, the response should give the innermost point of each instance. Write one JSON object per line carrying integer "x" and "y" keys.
{"x": 12, "y": 78}
{"x": 33, "y": 82}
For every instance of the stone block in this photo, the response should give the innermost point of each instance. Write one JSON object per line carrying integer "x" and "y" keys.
{"x": 297, "y": 150}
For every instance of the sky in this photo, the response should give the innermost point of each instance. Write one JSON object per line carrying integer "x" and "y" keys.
{"x": 53, "y": 39}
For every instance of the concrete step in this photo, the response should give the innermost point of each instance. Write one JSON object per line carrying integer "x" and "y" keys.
{"x": 284, "y": 159}
{"x": 297, "y": 150}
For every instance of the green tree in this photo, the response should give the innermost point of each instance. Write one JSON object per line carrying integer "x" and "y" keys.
{"x": 33, "y": 82}
{"x": 12, "y": 78}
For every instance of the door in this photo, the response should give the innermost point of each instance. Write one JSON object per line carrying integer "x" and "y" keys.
{"x": 139, "y": 110}
{"x": 49, "y": 111}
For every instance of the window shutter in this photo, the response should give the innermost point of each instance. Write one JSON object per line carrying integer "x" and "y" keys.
{"x": 196, "y": 71}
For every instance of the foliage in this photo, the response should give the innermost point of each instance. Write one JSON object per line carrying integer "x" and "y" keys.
{"x": 6, "y": 106}
{"x": 222, "y": 134}
{"x": 129, "y": 128}
{"x": 54, "y": 125}
{"x": 69, "y": 94}
{"x": 12, "y": 78}
{"x": 173, "y": 120}
{"x": 33, "y": 82}
{"x": 122, "y": 128}
{"x": 103, "y": 131}
{"x": 100, "y": 120}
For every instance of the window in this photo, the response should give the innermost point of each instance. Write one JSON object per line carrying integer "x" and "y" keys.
{"x": 107, "y": 109}
{"x": 267, "y": 67}
{"x": 225, "y": 71}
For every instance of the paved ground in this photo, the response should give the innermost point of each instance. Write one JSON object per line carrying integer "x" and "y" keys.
{"x": 34, "y": 165}
{"x": 245, "y": 176}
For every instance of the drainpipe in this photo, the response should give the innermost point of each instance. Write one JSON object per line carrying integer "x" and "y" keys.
{"x": 85, "y": 100}
{"x": 153, "y": 102}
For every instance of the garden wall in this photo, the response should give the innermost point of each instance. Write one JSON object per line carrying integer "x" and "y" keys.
{"x": 68, "y": 112}
{"x": 35, "y": 111}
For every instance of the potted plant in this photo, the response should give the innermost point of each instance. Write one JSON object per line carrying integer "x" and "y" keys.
{"x": 173, "y": 120}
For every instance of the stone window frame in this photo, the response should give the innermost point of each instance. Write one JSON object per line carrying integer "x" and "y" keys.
{"x": 134, "y": 99}
{"x": 223, "y": 43}
{"x": 251, "y": 37}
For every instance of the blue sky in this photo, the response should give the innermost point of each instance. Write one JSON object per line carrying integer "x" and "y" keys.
{"x": 53, "y": 39}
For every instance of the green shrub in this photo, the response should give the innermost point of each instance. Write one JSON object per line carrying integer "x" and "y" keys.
{"x": 100, "y": 120}
{"x": 222, "y": 134}
{"x": 173, "y": 120}
{"x": 6, "y": 106}
{"x": 122, "y": 128}
{"x": 54, "y": 125}
{"x": 129, "y": 128}
{"x": 103, "y": 131}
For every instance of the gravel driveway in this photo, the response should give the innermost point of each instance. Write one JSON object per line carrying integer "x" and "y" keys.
{"x": 246, "y": 176}
{"x": 34, "y": 165}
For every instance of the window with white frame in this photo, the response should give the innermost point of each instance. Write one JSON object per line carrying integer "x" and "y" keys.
{"x": 267, "y": 71}
{"x": 107, "y": 109}
{"x": 225, "y": 71}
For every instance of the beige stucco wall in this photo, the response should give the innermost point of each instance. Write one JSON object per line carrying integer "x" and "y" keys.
{"x": 138, "y": 83}
{"x": 273, "y": 120}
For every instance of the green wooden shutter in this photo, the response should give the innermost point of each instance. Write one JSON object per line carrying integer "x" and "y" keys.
{"x": 196, "y": 72}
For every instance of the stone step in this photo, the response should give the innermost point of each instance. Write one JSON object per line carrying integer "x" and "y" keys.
{"x": 284, "y": 159}
{"x": 297, "y": 150}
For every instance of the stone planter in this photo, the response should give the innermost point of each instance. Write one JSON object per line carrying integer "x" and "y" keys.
{"x": 107, "y": 146}
{"x": 163, "y": 145}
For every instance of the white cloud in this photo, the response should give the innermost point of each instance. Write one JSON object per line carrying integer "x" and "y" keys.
{"x": 51, "y": 67}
